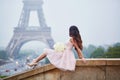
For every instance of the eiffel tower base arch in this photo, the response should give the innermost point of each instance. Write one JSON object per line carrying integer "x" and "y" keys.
{"x": 21, "y": 37}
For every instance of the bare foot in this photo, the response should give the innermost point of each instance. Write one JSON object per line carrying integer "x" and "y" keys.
{"x": 33, "y": 63}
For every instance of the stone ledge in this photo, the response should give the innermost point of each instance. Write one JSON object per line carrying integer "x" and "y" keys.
{"x": 99, "y": 61}
{"x": 31, "y": 72}
{"x": 50, "y": 67}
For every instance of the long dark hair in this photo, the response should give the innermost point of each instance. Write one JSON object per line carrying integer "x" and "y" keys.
{"x": 74, "y": 33}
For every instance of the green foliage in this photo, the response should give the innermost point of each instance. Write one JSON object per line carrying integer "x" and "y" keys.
{"x": 87, "y": 51}
{"x": 117, "y": 44}
{"x": 113, "y": 52}
{"x": 3, "y": 76}
{"x": 98, "y": 53}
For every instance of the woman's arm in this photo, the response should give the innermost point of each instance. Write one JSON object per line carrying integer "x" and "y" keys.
{"x": 79, "y": 52}
{"x": 80, "y": 55}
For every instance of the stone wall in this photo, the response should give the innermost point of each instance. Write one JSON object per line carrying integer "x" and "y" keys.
{"x": 94, "y": 69}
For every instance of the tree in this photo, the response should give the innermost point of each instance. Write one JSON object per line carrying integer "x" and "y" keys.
{"x": 98, "y": 53}
{"x": 87, "y": 51}
{"x": 117, "y": 44}
{"x": 113, "y": 52}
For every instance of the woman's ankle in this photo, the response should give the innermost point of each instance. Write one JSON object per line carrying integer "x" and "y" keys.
{"x": 34, "y": 61}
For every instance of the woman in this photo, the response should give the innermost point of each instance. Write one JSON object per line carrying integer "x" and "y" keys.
{"x": 64, "y": 60}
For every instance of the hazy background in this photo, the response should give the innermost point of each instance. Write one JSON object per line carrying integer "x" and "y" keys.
{"x": 98, "y": 20}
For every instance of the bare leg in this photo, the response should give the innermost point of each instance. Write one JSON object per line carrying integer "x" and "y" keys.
{"x": 35, "y": 61}
{"x": 42, "y": 56}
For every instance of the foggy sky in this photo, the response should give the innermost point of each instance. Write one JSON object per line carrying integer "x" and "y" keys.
{"x": 97, "y": 20}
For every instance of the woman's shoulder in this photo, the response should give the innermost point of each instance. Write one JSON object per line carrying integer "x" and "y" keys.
{"x": 71, "y": 39}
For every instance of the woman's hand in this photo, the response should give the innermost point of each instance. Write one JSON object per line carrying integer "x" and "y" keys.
{"x": 83, "y": 59}
{"x": 80, "y": 54}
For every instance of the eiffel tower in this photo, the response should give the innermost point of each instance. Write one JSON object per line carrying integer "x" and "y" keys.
{"x": 24, "y": 33}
